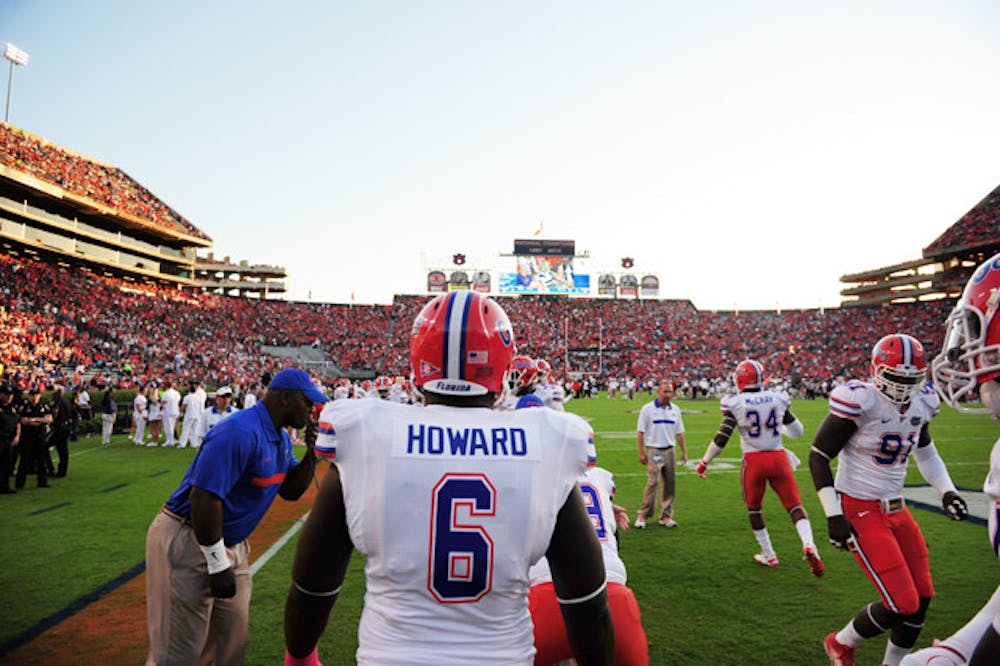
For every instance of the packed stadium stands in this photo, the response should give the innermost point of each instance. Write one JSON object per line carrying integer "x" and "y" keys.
{"x": 980, "y": 227}
{"x": 83, "y": 176}
{"x": 63, "y": 325}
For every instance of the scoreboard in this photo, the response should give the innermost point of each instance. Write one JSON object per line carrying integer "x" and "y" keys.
{"x": 529, "y": 247}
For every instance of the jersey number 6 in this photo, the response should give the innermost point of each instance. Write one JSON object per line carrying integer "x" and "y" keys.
{"x": 460, "y": 561}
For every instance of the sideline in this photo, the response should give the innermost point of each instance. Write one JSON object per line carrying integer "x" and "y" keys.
{"x": 72, "y": 609}
{"x": 86, "y": 600}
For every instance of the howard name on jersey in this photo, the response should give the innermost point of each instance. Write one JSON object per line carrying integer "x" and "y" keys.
{"x": 759, "y": 415}
{"x": 873, "y": 463}
{"x": 475, "y": 492}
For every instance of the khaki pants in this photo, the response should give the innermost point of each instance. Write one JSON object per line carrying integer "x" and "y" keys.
{"x": 186, "y": 626}
{"x": 660, "y": 468}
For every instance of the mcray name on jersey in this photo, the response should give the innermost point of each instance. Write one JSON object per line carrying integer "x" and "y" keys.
{"x": 762, "y": 399}
{"x": 424, "y": 439}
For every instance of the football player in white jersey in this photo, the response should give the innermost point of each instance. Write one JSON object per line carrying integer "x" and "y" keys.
{"x": 874, "y": 427}
{"x": 762, "y": 416}
{"x": 450, "y": 504}
{"x": 549, "y": 390}
{"x": 631, "y": 644}
{"x": 970, "y": 361}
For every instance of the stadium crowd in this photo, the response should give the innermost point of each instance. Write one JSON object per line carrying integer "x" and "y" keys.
{"x": 84, "y": 177}
{"x": 65, "y": 325}
{"x": 980, "y": 226}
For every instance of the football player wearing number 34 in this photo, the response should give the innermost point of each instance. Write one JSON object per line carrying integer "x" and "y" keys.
{"x": 874, "y": 427}
{"x": 761, "y": 416}
{"x": 450, "y": 504}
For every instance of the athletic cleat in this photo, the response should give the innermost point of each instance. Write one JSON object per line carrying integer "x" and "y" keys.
{"x": 766, "y": 560}
{"x": 811, "y": 556}
{"x": 640, "y": 524}
{"x": 668, "y": 522}
{"x": 839, "y": 654}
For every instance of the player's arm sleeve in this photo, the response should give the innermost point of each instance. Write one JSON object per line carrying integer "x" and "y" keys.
{"x": 930, "y": 464}
{"x": 722, "y": 435}
{"x": 578, "y": 575}
{"x": 831, "y": 437}
{"x": 321, "y": 559}
{"x": 791, "y": 426}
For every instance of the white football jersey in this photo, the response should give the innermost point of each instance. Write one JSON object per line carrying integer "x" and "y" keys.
{"x": 598, "y": 488}
{"x": 872, "y": 465}
{"x": 508, "y": 402}
{"x": 992, "y": 489}
{"x": 759, "y": 415}
{"x": 450, "y": 506}
{"x": 552, "y": 395}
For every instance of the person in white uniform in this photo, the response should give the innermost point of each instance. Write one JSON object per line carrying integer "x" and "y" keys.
{"x": 761, "y": 416}
{"x": 139, "y": 414}
{"x": 970, "y": 362}
{"x": 170, "y": 408}
{"x": 631, "y": 644}
{"x": 450, "y": 504}
{"x": 192, "y": 409}
{"x": 874, "y": 429}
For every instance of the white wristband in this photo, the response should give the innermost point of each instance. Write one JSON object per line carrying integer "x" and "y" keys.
{"x": 831, "y": 503}
{"x": 216, "y": 557}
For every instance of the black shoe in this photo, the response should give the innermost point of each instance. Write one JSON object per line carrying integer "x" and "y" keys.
{"x": 44, "y": 485}
{"x": 7, "y": 491}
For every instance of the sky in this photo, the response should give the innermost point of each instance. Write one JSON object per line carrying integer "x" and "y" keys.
{"x": 748, "y": 153}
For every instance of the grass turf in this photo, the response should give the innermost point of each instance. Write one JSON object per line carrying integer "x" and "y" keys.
{"x": 703, "y": 598}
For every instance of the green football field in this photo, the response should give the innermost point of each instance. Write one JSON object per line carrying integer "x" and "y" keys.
{"x": 703, "y": 598}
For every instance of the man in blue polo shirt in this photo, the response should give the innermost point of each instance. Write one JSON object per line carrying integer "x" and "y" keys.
{"x": 197, "y": 556}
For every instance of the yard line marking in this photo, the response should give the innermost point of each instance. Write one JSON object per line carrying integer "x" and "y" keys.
{"x": 925, "y": 497}
{"x": 50, "y": 508}
{"x": 277, "y": 545}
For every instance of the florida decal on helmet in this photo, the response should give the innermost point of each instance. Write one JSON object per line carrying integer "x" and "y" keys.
{"x": 462, "y": 344}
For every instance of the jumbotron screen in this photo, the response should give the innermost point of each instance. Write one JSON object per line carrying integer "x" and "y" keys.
{"x": 543, "y": 274}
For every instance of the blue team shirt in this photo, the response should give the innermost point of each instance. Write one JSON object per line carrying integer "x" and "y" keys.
{"x": 243, "y": 461}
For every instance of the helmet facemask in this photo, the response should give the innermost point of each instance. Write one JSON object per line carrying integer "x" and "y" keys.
{"x": 967, "y": 360}
{"x": 900, "y": 384}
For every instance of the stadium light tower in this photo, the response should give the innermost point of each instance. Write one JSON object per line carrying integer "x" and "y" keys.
{"x": 16, "y": 57}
